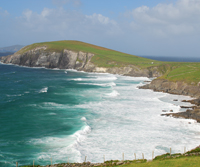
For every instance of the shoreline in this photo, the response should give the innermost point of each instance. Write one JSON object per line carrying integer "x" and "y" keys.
{"x": 164, "y": 157}
{"x": 192, "y": 112}
{"x": 62, "y": 69}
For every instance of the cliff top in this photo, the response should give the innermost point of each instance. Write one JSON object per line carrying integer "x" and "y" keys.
{"x": 103, "y": 57}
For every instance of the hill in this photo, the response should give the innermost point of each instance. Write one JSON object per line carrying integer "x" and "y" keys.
{"x": 6, "y": 53}
{"x": 103, "y": 57}
{"x": 11, "y": 49}
{"x": 87, "y": 57}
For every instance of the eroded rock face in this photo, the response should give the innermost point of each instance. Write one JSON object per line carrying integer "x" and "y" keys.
{"x": 39, "y": 57}
{"x": 179, "y": 88}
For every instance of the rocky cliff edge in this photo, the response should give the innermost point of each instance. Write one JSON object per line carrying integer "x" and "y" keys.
{"x": 179, "y": 87}
{"x": 67, "y": 59}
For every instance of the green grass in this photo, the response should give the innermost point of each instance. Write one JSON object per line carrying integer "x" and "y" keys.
{"x": 186, "y": 72}
{"x": 172, "y": 71}
{"x": 179, "y": 162}
{"x": 165, "y": 160}
{"x": 192, "y": 161}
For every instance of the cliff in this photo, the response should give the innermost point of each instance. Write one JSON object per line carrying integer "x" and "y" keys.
{"x": 177, "y": 78}
{"x": 179, "y": 87}
{"x": 68, "y": 59}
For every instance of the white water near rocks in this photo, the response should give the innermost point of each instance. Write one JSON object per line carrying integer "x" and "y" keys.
{"x": 67, "y": 115}
{"x": 126, "y": 120}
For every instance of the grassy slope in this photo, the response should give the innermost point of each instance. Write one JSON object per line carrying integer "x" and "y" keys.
{"x": 193, "y": 161}
{"x": 187, "y": 72}
{"x": 103, "y": 57}
{"x": 173, "y": 71}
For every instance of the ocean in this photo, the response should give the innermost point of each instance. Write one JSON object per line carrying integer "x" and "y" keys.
{"x": 173, "y": 59}
{"x": 65, "y": 115}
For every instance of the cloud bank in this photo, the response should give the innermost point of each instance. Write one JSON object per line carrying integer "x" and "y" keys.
{"x": 165, "y": 29}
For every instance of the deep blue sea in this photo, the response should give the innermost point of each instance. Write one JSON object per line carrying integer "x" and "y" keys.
{"x": 67, "y": 115}
{"x": 174, "y": 59}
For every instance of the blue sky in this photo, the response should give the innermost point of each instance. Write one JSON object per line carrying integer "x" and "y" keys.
{"x": 156, "y": 27}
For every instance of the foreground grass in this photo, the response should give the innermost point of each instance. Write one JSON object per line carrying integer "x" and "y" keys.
{"x": 180, "y": 162}
{"x": 189, "y": 159}
{"x": 193, "y": 161}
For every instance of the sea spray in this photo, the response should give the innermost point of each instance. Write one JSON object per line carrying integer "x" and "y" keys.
{"x": 75, "y": 114}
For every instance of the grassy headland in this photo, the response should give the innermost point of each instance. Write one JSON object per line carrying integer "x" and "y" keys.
{"x": 103, "y": 57}
{"x": 172, "y": 71}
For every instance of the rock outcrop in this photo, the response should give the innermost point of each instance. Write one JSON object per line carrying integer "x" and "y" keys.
{"x": 41, "y": 57}
{"x": 180, "y": 88}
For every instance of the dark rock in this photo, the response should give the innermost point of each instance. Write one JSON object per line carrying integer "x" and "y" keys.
{"x": 119, "y": 163}
{"x": 187, "y": 106}
{"x": 180, "y": 88}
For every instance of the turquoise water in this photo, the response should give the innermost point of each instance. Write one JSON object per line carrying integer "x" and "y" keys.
{"x": 28, "y": 111}
{"x": 67, "y": 115}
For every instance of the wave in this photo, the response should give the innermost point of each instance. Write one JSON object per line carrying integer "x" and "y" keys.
{"x": 134, "y": 78}
{"x": 81, "y": 134}
{"x": 78, "y": 79}
{"x": 83, "y": 119}
{"x": 114, "y": 93}
{"x": 106, "y": 78}
{"x": 14, "y": 95}
{"x": 52, "y": 113}
{"x": 43, "y": 90}
{"x": 96, "y": 79}
{"x": 98, "y": 84}
{"x": 58, "y": 148}
{"x": 9, "y": 73}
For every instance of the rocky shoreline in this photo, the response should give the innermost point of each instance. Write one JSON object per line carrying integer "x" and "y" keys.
{"x": 81, "y": 61}
{"x": 179, "y": 88}
{"x": 193, "y": 113}
{"x": 68, "y": 59}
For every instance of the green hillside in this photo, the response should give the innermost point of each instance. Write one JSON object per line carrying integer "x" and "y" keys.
{"x": 103, "y": 57}
{"x": 186, "y": 72}
{"x": 173, "y": 71}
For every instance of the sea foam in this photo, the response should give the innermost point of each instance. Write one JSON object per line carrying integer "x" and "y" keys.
{"x": 43, "y": 90}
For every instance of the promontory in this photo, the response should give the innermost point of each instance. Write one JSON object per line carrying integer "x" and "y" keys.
{"x": 172, "y": 77}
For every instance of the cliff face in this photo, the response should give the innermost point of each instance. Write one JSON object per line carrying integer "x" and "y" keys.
{"x": 179, "y": 88}
{"x": 39, "y": 57}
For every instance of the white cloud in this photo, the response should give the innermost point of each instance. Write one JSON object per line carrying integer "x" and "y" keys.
{"x": 164, "y": 28}
{"x": 67, "y": 24}
{"x": 100, "y": 18}
{"x": 181, "y": 18}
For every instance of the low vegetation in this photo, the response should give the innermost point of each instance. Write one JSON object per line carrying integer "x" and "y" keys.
{"x": 189, "y": 159}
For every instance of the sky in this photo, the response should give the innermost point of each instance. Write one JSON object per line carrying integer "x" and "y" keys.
{"x": 139, "y": 27}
